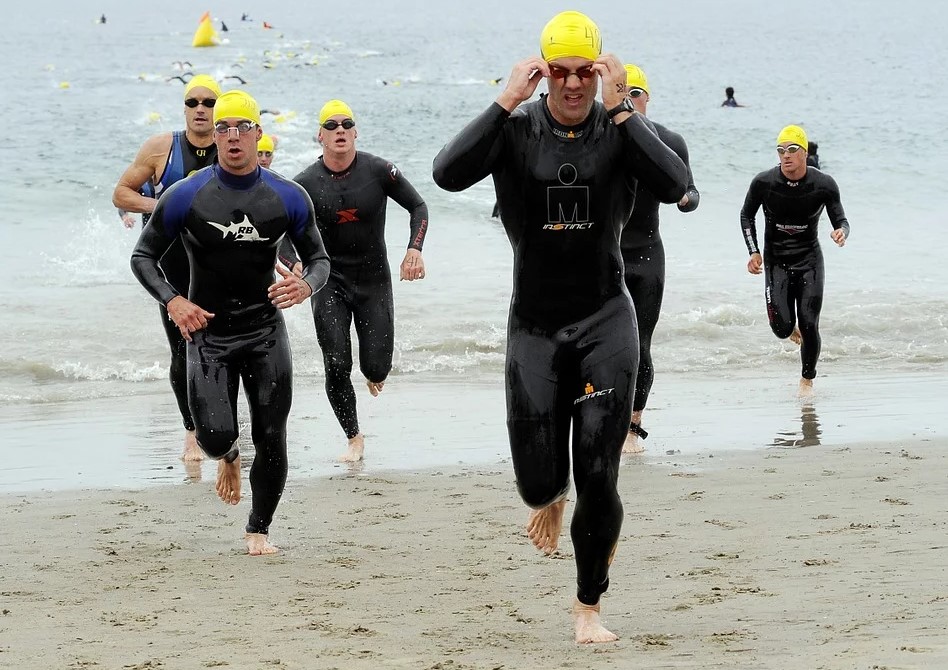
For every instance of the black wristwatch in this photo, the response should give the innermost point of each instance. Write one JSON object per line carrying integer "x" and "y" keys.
{"x": 624, "y": 106}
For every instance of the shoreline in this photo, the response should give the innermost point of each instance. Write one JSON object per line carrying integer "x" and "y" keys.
{"x": 423, "y": 423}
{"x": 809, "y": 557}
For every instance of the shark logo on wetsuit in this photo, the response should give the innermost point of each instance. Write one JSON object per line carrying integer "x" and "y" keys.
{"x": 240, "y": 230}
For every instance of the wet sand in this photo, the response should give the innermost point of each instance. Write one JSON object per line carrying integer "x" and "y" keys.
{"x": 817, "y": 557}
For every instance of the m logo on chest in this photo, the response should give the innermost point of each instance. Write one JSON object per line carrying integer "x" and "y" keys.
{"x": 241, "y": 229}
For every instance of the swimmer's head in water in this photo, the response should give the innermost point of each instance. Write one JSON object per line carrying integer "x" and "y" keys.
{"x": 729, "y": 91}
{"x": 570, "y": 34}
{"x": 202, "y": 81}
{"x": 237, "y": 105}
{"x": 335, "y": 108}
{"x": 793, "y": 135}
{"x": 635, "y": 78}
{"x": 265, "y": 143}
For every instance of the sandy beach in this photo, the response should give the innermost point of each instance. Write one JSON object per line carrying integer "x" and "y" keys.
{"x": 822, "y": 557}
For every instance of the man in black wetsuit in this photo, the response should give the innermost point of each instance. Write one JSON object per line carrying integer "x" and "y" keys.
{"x": 644, "y": 256}
{"x": 565, "y": 170}
{"x": 793, "y": 197}
{"x": 351, "y": 190}
{"x": 232, "y": 217}
{"x": 163, "y": 160}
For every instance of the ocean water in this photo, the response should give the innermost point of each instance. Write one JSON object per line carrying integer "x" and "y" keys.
{"x": 864, "y": 78}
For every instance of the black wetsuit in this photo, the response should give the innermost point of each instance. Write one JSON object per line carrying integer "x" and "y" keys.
{"x": 184, "y": 159}
{"x": 350, "y": 214}
{"x": 231, "y": 227}
{"x": 572, "y": 348}
{"x": 793, "y": 260}
{"x": 644, "y": 256}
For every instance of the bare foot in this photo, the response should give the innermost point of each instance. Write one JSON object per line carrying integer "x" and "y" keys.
{"x": 544, "y": 526}
{"x": 796, "y": 337}
{"x": 355, "y": 450}
{"x": 192, "y": 452}
{"x": 632, "y": 444}
{"x": 806, "y": 388}
{"x": 258, "y": 544}
{"x": 374, "y": 387}
{"x": 589, "y": 628}
{"x": 228, "y": 481}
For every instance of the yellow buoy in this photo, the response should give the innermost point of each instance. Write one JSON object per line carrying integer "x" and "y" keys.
{"x": 205, "y": 35}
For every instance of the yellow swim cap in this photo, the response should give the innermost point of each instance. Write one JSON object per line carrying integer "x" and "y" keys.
{"x": 635, "y": 78}
{"x": 203, "y": 81}
{"x": 237, "y": 105}
{"x": 794, "y": 134}
{"x": 265, "y": 143}
{"x": 570, "y": 34}
{"x": 334, "y": 108}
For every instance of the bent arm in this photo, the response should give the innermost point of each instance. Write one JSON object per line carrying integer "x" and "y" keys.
{"x": 469, "y": 157}
{"x": 834, "y": 208}
{"x": 401, "y": 191}
{"x": 151, "y": 246}
{"x": 309, "y": 244}
{"x": 694, "y": 198}
{"x": 127, "y": 193}
{"x": 752, "y": 203}
{"x": 652, "y": 162}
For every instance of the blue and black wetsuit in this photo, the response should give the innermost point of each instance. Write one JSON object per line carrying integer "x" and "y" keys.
{"x": 184, "y": 159}
{"x": 793, "y": 260}
{"x": 350, "y": 214}
{"x": 572, "y": 347}
{"x": 644, "y": 256}
{"x": 231, "y": 227}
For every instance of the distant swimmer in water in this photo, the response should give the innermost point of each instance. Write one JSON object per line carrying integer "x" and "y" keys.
{"x": 231, "y": 218}
{"x": 564, "y": 169}
{"x": 183, "y": 78}
{"x": 181, "y": 64}
{"x": 729, "y": 100}
{"x": 101, "y": 19}
{"x": 643, "y": 255}
{"x": 223, "y": 27}
{"x": 237, "y": 77}
{"x": 494, "y": 82}
{"x": 265, "y": 148}
{"x": 163, "y": 160}
{"x": 812, "y": 157}
{"x": 245, "y": 17}
{"x": 267, "y": 25}
{"x": 351, "y": 190}
{"x": 793, "y": 197}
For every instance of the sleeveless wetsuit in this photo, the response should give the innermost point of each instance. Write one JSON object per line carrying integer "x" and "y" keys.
{"x": 644, "y": 256}
{"x": 183, "y": 159}
{"x": 231, "y": 227}
{"x": 793, "y": 260}
{"x": 350, "y": 214}
{"x": 572, "y": 350}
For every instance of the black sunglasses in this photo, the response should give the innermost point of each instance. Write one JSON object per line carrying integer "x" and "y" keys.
{"x": 194, "y": 102}
{"x": 332, "y": 124}
{"x": 585, "y": 72}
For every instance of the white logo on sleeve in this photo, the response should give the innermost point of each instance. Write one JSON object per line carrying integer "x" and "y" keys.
{"x": 239, "y": 231}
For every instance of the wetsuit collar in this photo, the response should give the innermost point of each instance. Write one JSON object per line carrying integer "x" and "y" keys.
{"x": 341, "y": 173}
{"x": 241, "y": 182}
{"x": 566, "y": 132}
